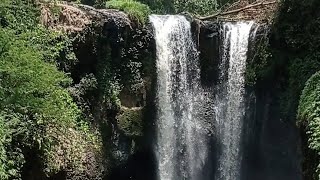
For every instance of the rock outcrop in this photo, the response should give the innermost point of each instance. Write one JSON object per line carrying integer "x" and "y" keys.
{"x": 116, "y": 56}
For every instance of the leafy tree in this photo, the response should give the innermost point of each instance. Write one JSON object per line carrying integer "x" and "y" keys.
{"x": 198, "y": 7}
{"x": 37, "y": 112}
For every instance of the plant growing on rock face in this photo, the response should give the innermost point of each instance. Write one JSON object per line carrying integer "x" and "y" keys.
{"x": 309, "y": 115}
{"x": 130, "y": 121}
{"x": 136, "y": 10}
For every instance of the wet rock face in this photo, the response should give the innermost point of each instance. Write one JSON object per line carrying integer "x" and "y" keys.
{"x": 270, "y": 143}
{"x": 208, "y": 44}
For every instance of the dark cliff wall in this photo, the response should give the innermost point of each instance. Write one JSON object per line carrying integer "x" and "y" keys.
{"x": 288, "y": 59}
{"x": 113, "y": 79}
{"x": 273, "y": 151}
{"x": 296, "y": 37}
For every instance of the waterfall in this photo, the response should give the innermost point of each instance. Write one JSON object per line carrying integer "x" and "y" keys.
{"x": 182, "y": 122}
{"x": 181, "y": 146}
{"x": 229, "y": 101}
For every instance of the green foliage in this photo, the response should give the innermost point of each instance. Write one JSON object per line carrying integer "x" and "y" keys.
{"x": 35, "y": 89}
{"x": 94, "y": 3}
{"x": 295, "y": 58}
{"x": 260, "y": 65}
{"x": 309, "y": 100}
{"x": 290, "y": 60}
{"x": 299, "y": 71}
{"x": 36, "y": 109}
{"x": 18, "y": 14}
{"x": 297, "y": 25}
{"x": 309, "y": 114}
{"x": 108, "y": 83}
{"x": 23, "y": 17}
{"x": 160, "y": 6}
{"x": 12, "y": 158}
{"x": 4, "y": 139}
{"x": 56, "y": 47}
{"x": 130, "y": 121}
{"x": 197, "y": 7}
{"x": 136, "y": 10}
{"x": 298, "y": 41}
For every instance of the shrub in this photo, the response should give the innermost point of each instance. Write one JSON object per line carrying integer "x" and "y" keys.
{"x": 136, "y": 10}
{"x": 198, "y": 7}
{"x": 309, "y": 114}
{"x": 130, "y": 121}
{"x": 36, "y": 109}
{"x": 11, "y": 157}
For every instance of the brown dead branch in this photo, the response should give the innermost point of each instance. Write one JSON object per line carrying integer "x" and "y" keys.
{"x": 263, "y": 3}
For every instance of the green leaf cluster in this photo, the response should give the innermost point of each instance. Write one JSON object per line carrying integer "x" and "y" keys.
{"x": 197, "y": 7}
{"x": 129, "y": 121}
{"x": 18, "y": 14}
{"x": 309, "y": 114}
{"x": 136, "y": 10}
{"x": 37, "y": 112}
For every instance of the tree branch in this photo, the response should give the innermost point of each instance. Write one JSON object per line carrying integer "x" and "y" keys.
{"x": 237, "y": 10}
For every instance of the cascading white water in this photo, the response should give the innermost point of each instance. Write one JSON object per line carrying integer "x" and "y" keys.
{"x": 181, "y": 137}
{"x": 229, "y": 102}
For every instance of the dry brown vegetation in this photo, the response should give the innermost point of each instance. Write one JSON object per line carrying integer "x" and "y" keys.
{"x": 64, "y": 17}
{"x": 260, "y": 11}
